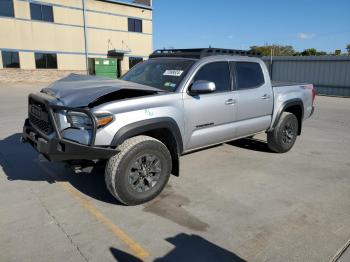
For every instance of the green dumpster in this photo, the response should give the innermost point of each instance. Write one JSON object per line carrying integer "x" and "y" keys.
{"x": 106, "y": 67}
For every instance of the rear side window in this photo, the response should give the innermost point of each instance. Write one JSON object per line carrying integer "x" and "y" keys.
{"x": 217, "y": 72}
{"x": 248, "y": 75}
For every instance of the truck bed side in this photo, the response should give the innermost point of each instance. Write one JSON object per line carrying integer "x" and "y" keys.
{"x": 287, "y": 93}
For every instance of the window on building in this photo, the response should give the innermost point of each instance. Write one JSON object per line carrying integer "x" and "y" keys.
{"x": 46, "y": 61}
{"x": 134, "y": 25}
{"x": 41, "y": 12}
{"x": 134, "y": 61}
{"x": 10, "y": 59}
{"x": 249, "y": 75}
{"x": 217, "y": 72}
{"x": 6, "y": 8}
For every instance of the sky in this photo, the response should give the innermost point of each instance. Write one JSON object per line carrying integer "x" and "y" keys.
{"x": 321, "y": 24}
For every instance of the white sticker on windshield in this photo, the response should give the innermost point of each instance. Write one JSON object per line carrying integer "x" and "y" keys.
{"x": 173, "y": 73}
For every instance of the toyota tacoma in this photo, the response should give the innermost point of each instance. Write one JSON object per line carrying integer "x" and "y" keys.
{"x": 178, "y": 101}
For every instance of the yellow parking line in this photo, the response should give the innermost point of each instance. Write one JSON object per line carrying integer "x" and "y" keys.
{"x": 341, "y": 251}
{"x": 134, "y": 247}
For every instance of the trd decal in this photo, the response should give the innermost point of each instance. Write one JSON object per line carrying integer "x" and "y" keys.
{"x": 204, "y": 125}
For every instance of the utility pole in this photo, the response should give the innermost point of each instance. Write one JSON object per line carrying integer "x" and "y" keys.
{"x": 85, "y": 38}
{"x": 271, "y": 62}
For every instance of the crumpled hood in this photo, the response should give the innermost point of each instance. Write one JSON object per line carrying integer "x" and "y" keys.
{"x": 80, "y": 90}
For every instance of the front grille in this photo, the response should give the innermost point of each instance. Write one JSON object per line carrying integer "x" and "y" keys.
{"x": 42, "y": 125}
{"x": 39, "y": 117}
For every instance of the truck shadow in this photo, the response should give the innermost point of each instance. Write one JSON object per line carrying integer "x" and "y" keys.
{"x": 187, "y": 248}
{"x": 21, "y": 162}
{"x": 251, "y": 144}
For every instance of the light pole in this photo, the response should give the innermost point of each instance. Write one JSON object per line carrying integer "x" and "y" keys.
{"x": 85, "y": 38}
{"x": 271, "y": 55}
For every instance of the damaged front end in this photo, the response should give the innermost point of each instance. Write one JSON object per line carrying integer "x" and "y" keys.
{"x": 63, "y": 133}
{"x": 60, "y": 123}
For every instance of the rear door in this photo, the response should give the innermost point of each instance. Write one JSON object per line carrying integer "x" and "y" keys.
{"x": 209, "y": 117}
{"x": 254, "y": 97}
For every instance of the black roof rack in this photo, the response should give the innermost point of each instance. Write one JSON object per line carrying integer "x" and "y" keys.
{"x": 201, "y": 52}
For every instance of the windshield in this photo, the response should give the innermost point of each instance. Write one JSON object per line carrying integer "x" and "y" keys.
{"x": 164, "y": 74}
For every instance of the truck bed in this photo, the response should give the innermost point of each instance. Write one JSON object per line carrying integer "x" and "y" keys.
{"x": 285, "y": 83}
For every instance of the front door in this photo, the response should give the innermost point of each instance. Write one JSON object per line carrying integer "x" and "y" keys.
{"x": 209, "y": 117}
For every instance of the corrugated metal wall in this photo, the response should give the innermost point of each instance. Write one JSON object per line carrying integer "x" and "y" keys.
{"x": 330, "y": 74}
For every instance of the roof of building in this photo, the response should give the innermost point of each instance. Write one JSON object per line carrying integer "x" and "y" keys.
{"x": 132, "y": 3}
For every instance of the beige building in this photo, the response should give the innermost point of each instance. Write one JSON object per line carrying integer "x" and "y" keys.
{"x": 51, "y": 38}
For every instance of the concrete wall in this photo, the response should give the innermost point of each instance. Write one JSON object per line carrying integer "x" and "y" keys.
{"x": 330, "y": 74}
{"x": 37, "y": 75}
{"x": 107, "y": 28}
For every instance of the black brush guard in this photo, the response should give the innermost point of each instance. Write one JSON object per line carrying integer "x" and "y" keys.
{"x": 53, "y": 146}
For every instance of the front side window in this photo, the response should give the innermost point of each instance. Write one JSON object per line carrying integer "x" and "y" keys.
{"x": 41, "y": 12}
{"x": 10, "y": 59}
{"x": 248, "y": 75}
{"x": 164, "y": 74}
{"x": 6, "y": 8}
{"x": 134, "y": 61}
{"x": 45, "y": 61}
{"x": 134, "y": 25}
{"x": 218, "y": 73}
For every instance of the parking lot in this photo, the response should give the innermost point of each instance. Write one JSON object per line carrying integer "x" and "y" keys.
{"x": 233, "y": 202}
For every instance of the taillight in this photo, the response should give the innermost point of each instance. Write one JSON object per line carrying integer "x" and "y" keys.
{"x": 313, "y": 91}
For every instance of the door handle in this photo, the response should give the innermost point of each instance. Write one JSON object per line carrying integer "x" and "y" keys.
{"x": 266, "y": 96}
{"x": 230, "y": 102}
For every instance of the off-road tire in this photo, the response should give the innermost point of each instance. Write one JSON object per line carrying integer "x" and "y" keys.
{"x": 279, "y": 140}
{"x": 118, "y": 167}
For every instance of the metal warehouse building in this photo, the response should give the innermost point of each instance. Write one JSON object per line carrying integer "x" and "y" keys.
{"x": 51, "y": 38}
{"x": 329, "y": 74}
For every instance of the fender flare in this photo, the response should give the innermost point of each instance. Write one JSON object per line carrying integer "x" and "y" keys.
{"x": 143, "y": 126}
{"x": 284, "y": 106}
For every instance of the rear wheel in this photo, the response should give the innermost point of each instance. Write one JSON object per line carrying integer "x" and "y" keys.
{"x": 282, "y": 138}
{"x": 140, "y": 171}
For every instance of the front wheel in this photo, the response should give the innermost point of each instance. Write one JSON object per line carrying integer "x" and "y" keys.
{"x": 140, "y": 171}
{"x": 282, "y": 138}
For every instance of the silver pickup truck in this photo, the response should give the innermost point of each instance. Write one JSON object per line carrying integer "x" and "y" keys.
{"x": 176, "y": 102}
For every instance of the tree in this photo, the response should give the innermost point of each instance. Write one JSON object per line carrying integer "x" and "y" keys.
{"x": 337, "y": 52}
{"x": 312, "y": 52}
{"x": 287, "y": 50}
{"x": 348, "y": 49}
{"x": 309, "y": 52}
{"x": 276, "y": 50}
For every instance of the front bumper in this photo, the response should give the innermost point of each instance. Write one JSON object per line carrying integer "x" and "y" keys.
{"x": 61, "y": 149}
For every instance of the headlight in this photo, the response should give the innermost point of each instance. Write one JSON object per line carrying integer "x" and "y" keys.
{"x": 79, "y": 120}
{"x": 82, "y": 121}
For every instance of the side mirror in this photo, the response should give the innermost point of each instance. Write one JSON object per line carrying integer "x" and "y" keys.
{"x": 202, "y": 87}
